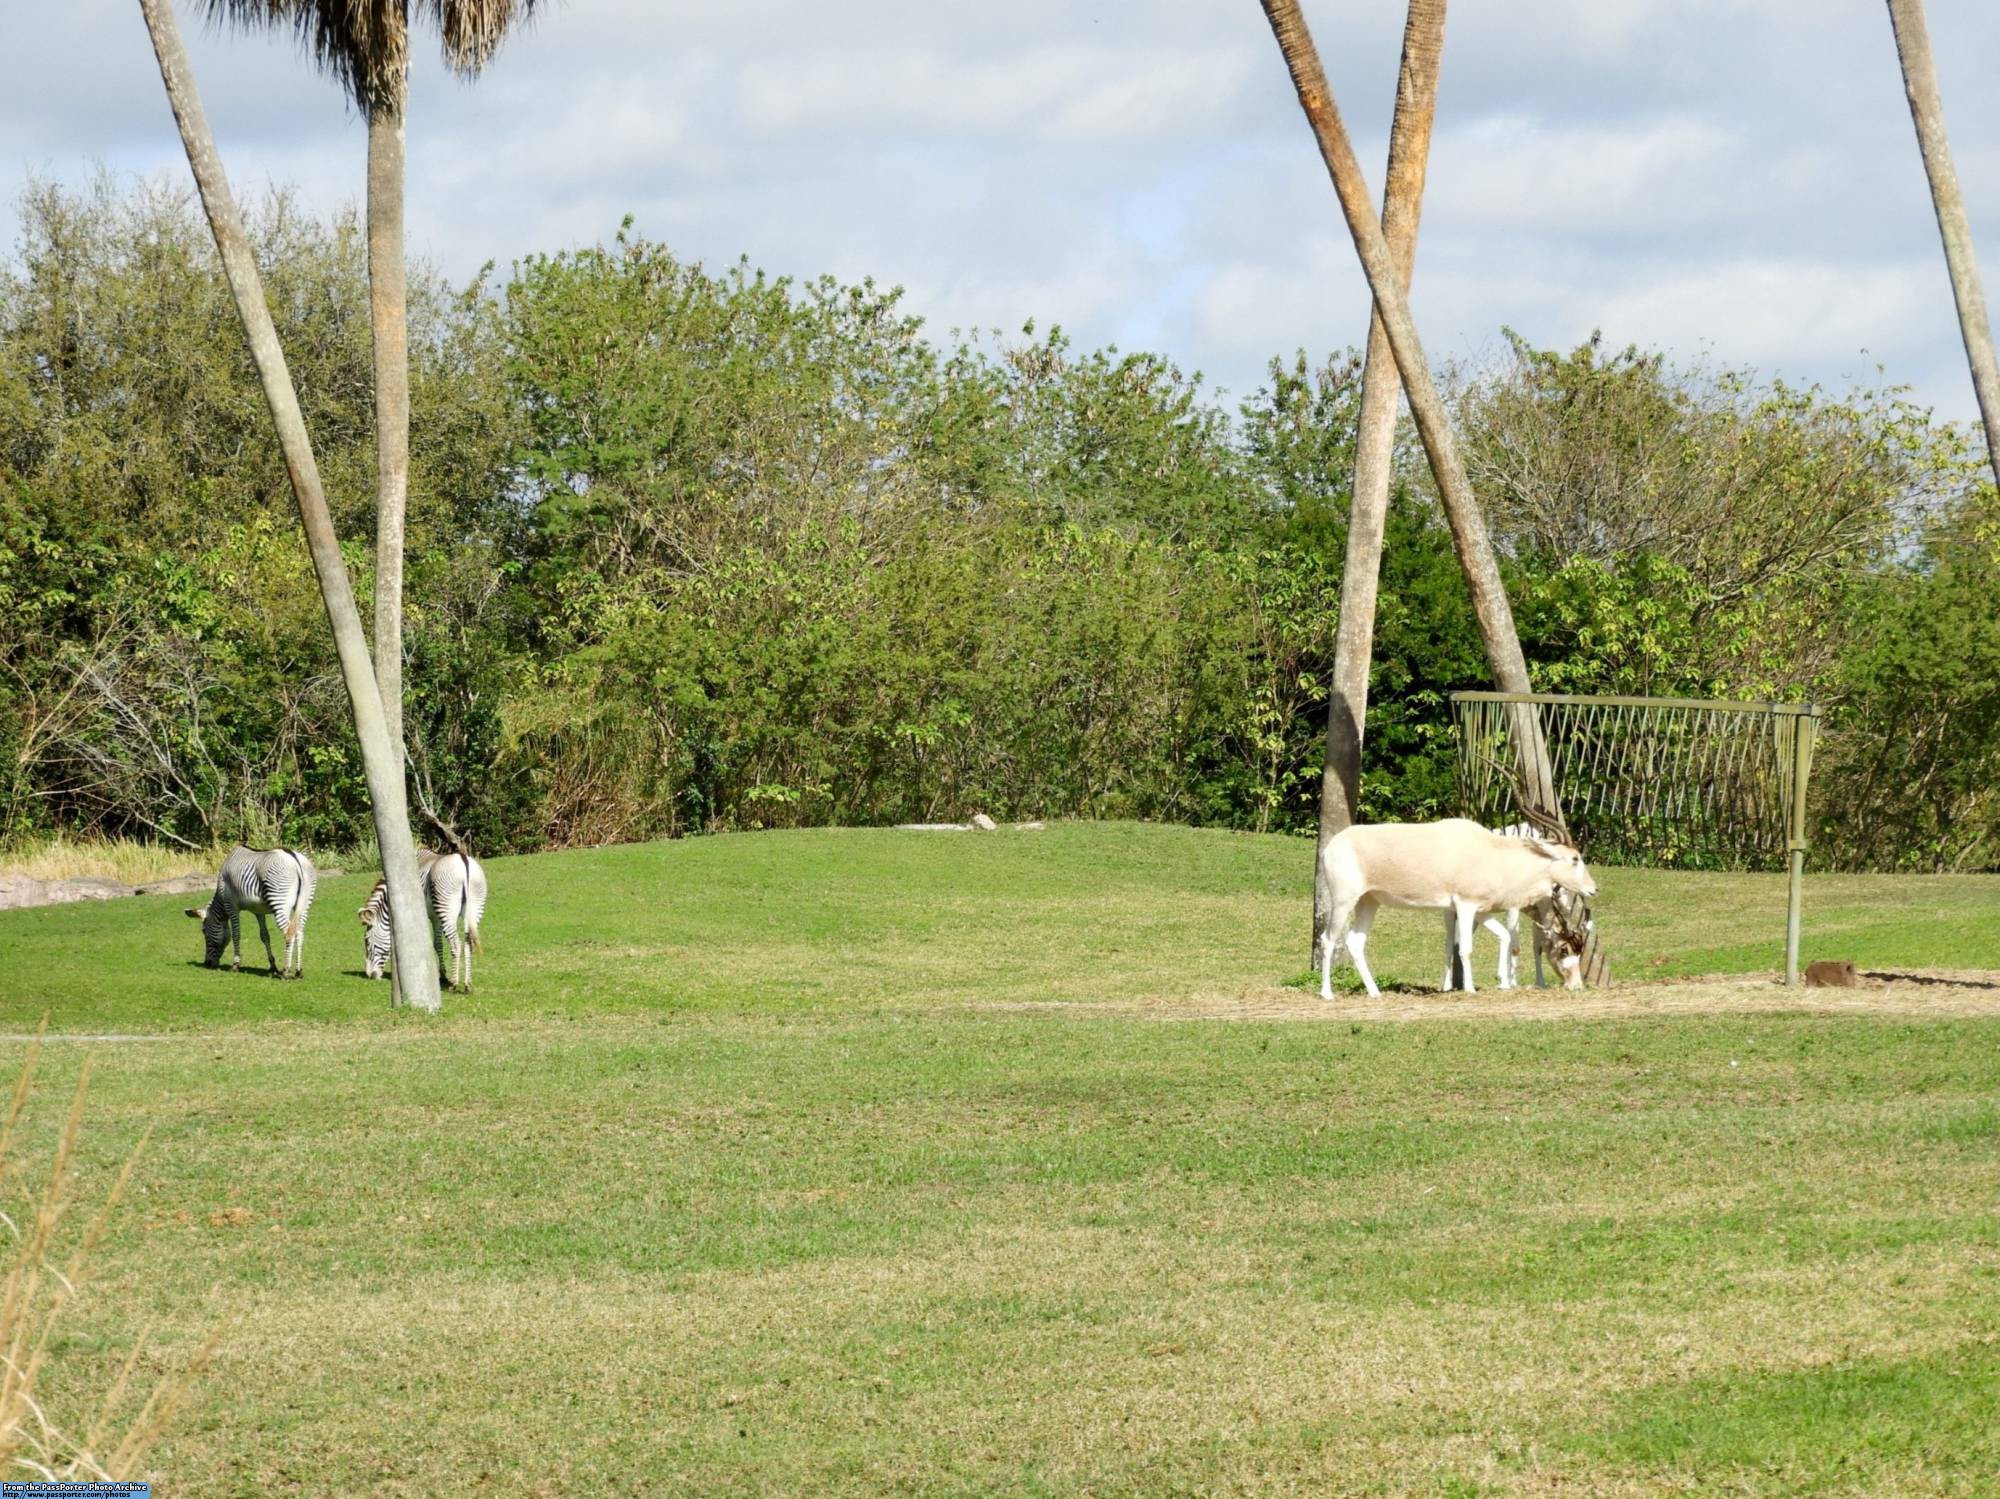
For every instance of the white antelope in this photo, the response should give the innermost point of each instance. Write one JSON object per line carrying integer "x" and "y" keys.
{"x": 454, "y": 887}
{"x": 1454, "y": 865}
{"x": 1552, "y": 935}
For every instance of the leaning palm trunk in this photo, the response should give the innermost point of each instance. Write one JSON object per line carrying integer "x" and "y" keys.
{"x": 1913, "y": 48}
{"x": 1468, "y": 526}
{"x": 1381, "y": 395}
{"x": 381, "y": 763}
{"x": 388, "y": 296}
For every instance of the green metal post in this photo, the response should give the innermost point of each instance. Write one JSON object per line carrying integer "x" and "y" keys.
{"x": 1804, "y": 723}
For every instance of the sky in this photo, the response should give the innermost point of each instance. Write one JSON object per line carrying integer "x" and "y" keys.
{"x": 1735, "y": 181}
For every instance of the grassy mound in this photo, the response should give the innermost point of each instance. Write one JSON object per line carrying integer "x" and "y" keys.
{"x": 856, "y": 1162}
{"x": 850, "y": 920}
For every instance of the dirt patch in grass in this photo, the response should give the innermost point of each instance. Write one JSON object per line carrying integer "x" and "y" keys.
{"x": 1954, "y": 993}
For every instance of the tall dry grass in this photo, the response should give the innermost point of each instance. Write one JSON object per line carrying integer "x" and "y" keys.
{"x": 132, "y": 862}
{"x": 43, "y": 1281}
{"x": 127, "y": 860}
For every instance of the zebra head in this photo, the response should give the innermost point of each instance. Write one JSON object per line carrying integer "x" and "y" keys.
{"x": 375, "y": 939}
{"x": 214, "y": 928}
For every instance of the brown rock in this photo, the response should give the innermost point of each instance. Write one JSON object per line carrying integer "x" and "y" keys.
{"x": 1832, "y": 973}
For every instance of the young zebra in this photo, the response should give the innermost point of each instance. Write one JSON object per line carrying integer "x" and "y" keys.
{"x": 277, "y": 882}
{"x": 455, "y": 895}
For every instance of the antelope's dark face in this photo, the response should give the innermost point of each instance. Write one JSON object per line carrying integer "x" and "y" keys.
{"x": 1567, "y": 944}
{"x": 214, "y": 929}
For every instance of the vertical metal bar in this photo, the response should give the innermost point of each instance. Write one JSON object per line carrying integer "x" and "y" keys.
{"x": 1801, "y": 762}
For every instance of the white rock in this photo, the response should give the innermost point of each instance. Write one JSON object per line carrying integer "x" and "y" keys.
{"x": 20, "y": 891}
{"x": 984, "y": 823}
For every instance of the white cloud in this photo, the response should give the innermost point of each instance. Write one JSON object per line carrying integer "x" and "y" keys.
{"x": 1079, "y": 94}
{"x": 1732, "y": 175}
{"x": 1771, "y": 313}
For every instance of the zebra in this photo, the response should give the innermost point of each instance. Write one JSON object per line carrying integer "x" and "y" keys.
{"x": 454, "y": 888}
{"x": 276, "y": 882}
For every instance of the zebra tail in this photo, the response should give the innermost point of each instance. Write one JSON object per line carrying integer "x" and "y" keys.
{"x": 465, "y": 902}
{"x": 293, "y": 927}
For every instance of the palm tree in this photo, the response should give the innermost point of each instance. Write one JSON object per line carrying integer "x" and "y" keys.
{"x": 1378, "y": 263}
{"x": 1381, "y": 395}
{"x": 380, "y": 761}
{"x": 1913, "y": 48}
{"x": 365, "y": 44}
{"x": 1469, "y": 536}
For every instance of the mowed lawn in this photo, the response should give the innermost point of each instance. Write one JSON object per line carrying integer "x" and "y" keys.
{"x": 863, "y": 1162}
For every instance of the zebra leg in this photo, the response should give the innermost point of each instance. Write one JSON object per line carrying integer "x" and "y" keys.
{"x": 236, "y": 939}
{"x": 445, "y": 973}
{"x": 264, "y": 931}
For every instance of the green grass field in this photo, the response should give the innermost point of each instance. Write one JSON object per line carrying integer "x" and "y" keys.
{"x": 863, "y": 1162}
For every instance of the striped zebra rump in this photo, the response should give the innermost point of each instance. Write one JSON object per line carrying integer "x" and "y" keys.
{"x": 454, "y": 895}
{"x": 274, "y": 882}
{"x": 455, "y": 885}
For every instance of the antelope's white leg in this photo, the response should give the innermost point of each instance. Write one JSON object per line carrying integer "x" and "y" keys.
{"x": 1357, "y": 945}
{"x": 1467, "y": 917}
{"x": 1335, "y": 933}
{"x": 1503, "y": 932}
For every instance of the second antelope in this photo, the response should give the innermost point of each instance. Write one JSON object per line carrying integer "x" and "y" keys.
{"x": 455, "y": 895}
{"x": 1454, "y": 865}
{"x": 1554, "y": 935}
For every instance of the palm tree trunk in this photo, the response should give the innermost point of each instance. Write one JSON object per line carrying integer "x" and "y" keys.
{"x": 379, "y": 760}
{"x": 1913, "y": 47}
{"x": 1381, "y": 396}
{"x": 389, "y": 310}
{"x": 1468, "y": 527}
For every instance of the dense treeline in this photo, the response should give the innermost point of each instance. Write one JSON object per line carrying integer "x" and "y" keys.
{"x": 693, "y": 550}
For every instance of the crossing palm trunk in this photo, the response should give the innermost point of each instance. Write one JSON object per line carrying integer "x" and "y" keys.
{"x": 1381, "y": 397}
{"x": 1913, "y": 49}
{"x": 1468, "y": 527}
{"x": 388, "y": 297}
{"x": 381, "y": 764}
{"x": 1469, "y": 536}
